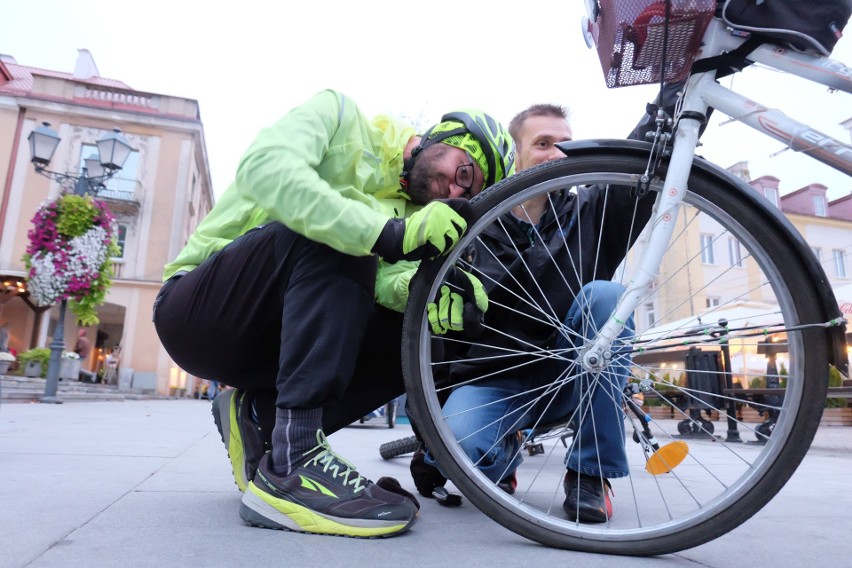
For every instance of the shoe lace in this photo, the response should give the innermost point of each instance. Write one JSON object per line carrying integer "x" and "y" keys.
{"x": 333, "y": 464}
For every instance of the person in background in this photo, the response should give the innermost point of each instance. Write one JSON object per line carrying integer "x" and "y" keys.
{"x": 83, "y": 347}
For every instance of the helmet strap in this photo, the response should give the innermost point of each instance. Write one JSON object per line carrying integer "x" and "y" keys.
{"x": 425, "y": 142}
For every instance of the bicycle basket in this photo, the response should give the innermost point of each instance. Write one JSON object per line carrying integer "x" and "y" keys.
{"x": 630, "y": 35}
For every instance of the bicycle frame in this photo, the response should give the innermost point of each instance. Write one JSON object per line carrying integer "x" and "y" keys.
{"x": 702, "y": 91}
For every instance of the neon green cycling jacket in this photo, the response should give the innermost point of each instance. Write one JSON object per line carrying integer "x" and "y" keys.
{"x": 324, "y": 170}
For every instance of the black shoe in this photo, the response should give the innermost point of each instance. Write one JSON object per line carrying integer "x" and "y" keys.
{"x": 242, "y": 436}
{"x": 587, "y": 498}
{"x": 509, "y": 483}
{"x": 324, "y": 495}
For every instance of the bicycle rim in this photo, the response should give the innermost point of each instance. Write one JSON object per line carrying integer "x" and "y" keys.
{"x": 720, "y": 482}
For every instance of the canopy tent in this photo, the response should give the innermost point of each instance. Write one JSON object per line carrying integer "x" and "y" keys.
{"x": 747, "y": 323}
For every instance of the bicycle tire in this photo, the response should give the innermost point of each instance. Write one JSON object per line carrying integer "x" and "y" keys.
{"x": 653, "y": 524}
{"x": 397, "y": 448}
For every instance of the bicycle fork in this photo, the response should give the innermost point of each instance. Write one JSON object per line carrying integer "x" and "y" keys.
{"x": 599, "y": 352}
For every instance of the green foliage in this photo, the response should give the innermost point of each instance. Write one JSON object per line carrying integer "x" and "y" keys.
{"x": 662, "y": 386}
{"x": 76, "y": 215}
{"x": 835, "y": 379}
{"x": 38, "y": 355}
{"x": 757, "y": 383}
{"x": 86, "y": 308}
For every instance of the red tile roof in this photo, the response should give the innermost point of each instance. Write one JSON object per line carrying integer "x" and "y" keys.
{"x": 21, "y": 81}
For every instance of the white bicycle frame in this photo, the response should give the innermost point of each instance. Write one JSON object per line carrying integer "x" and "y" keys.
{"x": 702, "y": 91}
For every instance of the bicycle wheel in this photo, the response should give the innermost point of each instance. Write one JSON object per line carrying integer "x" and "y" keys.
{"x": 765, "y": 292}
{"x": 397, "y": 448}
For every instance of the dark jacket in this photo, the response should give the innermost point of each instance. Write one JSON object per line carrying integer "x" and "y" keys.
{"x": 585, "y": 240}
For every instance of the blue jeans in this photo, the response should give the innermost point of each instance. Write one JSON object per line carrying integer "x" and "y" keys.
{"x": 486, "y": 415}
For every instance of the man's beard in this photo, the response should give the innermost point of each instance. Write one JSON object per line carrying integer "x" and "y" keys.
{"x": 423, "y": 174}
{"x": 420, "y": 185}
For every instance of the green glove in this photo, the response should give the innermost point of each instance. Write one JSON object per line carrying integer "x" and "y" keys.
{"x": 459, "y": 306}
{"x": 430, "y": 232}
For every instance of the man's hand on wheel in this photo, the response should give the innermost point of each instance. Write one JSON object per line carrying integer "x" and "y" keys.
{"x": 430, "y": 232}
{"x": 460, "y": 305}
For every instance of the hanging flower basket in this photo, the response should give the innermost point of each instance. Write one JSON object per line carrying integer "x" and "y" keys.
{"x": 72, "y": 242}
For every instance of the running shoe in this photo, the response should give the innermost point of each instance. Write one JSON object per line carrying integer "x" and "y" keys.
{"x": 324, "y": 495}
{"x": 240, "y": 433}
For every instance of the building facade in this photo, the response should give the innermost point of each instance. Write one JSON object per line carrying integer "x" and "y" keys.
{"x": 711, "y": 267}
{"x": 708, "y": 275}
{"x": 158, "y": 198}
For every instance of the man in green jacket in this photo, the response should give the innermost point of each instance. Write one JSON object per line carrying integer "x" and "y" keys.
{"x": 290, "y": 291}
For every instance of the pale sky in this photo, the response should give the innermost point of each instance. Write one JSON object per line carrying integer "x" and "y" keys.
{"x": 249, "y": 62}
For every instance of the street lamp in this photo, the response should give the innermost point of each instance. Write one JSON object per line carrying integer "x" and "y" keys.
{"x": 113, "y": 151}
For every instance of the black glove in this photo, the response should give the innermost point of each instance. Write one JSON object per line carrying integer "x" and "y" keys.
{"x": 392, "y": 485}
{"x": 426, "y": 477}
{"x": 430, "y": 232}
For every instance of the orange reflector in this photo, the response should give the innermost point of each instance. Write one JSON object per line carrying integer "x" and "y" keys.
{"x": 667, "y": 458}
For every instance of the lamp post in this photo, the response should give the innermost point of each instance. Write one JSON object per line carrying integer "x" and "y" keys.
{"x": 113, "y": 151}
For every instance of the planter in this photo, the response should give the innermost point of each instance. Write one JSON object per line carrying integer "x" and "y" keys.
{"x": 662, "y": 412}
{"x": 668, "y": 412}
{"x": 4, "y": 367}
{"x": 836, "y": 417}
{"x": 750, "y": 415}
{"x": 33, "y": 369}
{"x": 69, "y": 369}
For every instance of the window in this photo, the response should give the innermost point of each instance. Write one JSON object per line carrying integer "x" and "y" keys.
{"x": 771, "y": 194}
{"x": 121, "y": 240}
{"x": 734, "y": 253}
{"x": 86, "y": 150}
{"x": 707, "y": 256}
{"x": 651, "y": 317}
{"x": 839, "y": 263}
{"x": 819, "y": 205}
{"x": 125, "y": 178}
{"x": 817, "y": 253}
{"x": 712, "y": 301}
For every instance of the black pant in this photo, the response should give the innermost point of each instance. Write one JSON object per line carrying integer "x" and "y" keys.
{"x": 291, "y": 320}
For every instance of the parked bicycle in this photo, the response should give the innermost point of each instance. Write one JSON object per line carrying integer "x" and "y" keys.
{"x": 778, "y": 290}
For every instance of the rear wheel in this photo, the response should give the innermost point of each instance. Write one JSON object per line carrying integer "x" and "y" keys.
{"x": 755, "y": 310}
{"x": 397, "y": 448}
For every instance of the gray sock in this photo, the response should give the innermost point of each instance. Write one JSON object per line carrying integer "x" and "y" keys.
{"x": 294, "y": 434}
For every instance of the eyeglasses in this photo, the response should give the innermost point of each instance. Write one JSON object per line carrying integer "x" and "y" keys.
{"x": 464, "y": 175}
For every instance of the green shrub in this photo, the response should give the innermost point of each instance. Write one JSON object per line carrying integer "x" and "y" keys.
{"x": 37, "y": 354}
{"x": 835, "y": 379}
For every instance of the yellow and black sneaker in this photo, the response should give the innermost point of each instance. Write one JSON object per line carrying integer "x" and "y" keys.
{"x": 324, "y": 495}
{"x": 242, "y": 436}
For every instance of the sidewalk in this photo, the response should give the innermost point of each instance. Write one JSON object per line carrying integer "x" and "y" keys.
{"x": 147, "y": 483}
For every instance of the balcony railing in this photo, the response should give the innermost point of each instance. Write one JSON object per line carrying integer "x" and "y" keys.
{"x": 118, "y": 268}
{"x": 121, "y": 194}
{"x": 120, "y": 97}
